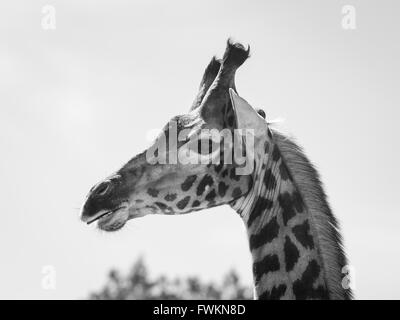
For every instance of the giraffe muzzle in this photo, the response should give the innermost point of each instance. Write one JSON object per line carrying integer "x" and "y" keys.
{"x": 101, "y": 215}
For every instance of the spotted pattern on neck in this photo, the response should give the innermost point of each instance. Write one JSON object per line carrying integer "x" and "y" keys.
{"x": 286, "y": 260}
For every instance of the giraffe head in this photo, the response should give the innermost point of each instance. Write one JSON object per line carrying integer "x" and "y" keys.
{"x": 195, "y": 162}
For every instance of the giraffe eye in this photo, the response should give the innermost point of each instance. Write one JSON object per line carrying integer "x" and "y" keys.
{"x": 201, "y": 146}
{"x": 103, "y": 188}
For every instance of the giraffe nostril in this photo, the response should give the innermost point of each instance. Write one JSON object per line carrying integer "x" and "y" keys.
{"x": 103, "y": 188}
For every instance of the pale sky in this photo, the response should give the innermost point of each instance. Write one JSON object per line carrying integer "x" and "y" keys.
{"x": 77, "y": 103}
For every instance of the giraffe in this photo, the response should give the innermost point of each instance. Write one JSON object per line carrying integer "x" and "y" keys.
{"x": 293, "y": 236}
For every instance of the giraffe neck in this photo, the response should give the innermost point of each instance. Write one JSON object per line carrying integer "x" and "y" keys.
{"x": 283, "y": 225}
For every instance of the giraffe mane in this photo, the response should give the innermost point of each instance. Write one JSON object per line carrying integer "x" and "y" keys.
{"x": 329, "y": 238}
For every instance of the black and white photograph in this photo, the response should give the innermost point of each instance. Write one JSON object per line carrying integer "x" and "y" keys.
{"x": 199, "y": 150}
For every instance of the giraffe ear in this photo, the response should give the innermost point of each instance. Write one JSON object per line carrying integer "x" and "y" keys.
{"x": 246, "y": 116}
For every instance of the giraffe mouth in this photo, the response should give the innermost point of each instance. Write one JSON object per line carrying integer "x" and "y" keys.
{"x": 104, "y": 215}
{"x": 111, "y": 220}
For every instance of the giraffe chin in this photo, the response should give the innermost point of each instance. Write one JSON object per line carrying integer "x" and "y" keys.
{"x": 114, "y": 221}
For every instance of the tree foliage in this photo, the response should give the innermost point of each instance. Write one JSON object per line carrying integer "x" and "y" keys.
{"x": 138, "y": 285}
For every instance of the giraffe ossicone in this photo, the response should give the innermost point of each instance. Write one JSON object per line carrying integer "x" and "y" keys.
{"x": 293, "y": 236}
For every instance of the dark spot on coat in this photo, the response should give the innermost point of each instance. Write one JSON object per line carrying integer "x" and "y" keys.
{"x": 302, "y": 233}
{"x": 187, "y": 184}
{"x": 170, "y": 197}
{"x": 183, "y": 203}
{"x": 161, "y": 205}
{"x": 164, "y": 208}
{"x": 237, "y": 192}
{"x": 291, "y": 254}
{"x": 261, "y": 205}
{"x": 211, "y": 195}
{"x": 284, "y": 171}
{"x": 266, "y": 147}
{"x": 218, "y": 167}
{"x": 206, "y": 181}
{"x": 195, "y": 203}
{"x": 153, "y": 192}
{"x": 276, "y": 154}
{"x": 233, "y": 175}
{"x": 275, "y": 294}
{"x": 250, "y": 183}
{"x": 222, "y": 187}
{"x": 269, "y": 180}
{"x": 268, "y": 264}
{"x": 267, "y": 233}
{"x": 285, "y": 201}
{"x": 303, "y": 288}
{"x": 297, "y": 202}
{"x": 211, "y": 204}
